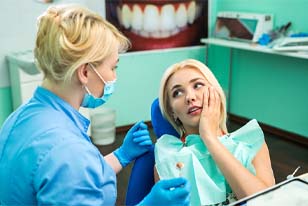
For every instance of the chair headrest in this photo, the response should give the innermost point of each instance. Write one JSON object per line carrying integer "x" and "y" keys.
{"x": 160, "y": 124}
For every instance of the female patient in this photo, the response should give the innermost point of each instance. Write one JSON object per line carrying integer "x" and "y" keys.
{"x": 221, "y": 166}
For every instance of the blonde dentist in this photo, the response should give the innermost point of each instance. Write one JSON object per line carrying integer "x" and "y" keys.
{"x": 46, "y": 156}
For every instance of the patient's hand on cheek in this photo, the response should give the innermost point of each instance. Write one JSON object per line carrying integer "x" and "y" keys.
{"x": 210, "y": 115}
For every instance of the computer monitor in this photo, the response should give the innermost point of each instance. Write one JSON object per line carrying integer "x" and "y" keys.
{"x": 240, "y": 29}
{"x": 242, "y": 26}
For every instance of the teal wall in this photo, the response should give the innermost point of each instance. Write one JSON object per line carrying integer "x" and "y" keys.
{"x": 271, "y": 88}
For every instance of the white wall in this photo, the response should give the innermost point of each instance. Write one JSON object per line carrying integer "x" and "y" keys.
{"x": 18, "y": 26}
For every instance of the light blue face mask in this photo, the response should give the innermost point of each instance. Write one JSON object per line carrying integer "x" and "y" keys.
{"x": 90, "y": 101}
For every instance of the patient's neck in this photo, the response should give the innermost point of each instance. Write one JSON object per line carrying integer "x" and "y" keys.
{"x": 219, "y": 132}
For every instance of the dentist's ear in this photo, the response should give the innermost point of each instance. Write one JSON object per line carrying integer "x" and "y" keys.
{"x": 82, "y": 73}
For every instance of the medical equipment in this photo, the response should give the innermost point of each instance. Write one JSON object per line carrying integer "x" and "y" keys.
{"x": 292, "y": 191}
{"x": 242, "y": 26}
{"x": 292, "y": 175}
{"x": 291, "y": 44}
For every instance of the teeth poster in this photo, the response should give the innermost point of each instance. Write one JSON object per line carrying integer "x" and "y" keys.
{"x": 159, "y": 24}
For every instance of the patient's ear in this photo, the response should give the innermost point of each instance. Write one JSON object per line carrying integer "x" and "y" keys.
{"x": 178, "y": 122}
{"x": 174, "y": 116}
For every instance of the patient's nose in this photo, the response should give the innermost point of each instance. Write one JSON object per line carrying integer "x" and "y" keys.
{"x": 190, "y": 97}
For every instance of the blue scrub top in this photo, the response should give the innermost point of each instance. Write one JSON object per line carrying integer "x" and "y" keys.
{"x": 46, "y": 157}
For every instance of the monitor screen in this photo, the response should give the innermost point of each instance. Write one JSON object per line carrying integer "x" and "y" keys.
{"x": 235, "y": 28}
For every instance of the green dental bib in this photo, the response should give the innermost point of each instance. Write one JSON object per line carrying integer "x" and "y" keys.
{"x": 208, "y": 183}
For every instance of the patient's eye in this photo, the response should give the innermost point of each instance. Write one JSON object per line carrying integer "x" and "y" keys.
{"x": 177, "y": 93}
{"x": 198, "y": 85}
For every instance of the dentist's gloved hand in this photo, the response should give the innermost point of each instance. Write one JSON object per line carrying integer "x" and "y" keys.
{"x": 169, "y": 192}
{"x": 136, "y": 142}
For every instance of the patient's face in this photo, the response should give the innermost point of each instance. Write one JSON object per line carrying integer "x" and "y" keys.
{"x": 185, "y": 90}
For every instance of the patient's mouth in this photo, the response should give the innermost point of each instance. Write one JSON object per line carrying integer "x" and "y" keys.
{"x": 157, "y": 24}
{"x": 194, "y": 110}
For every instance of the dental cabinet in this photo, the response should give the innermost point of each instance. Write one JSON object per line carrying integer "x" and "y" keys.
{"x": 24, "y": 76}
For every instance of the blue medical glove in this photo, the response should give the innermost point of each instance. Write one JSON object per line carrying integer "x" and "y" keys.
{"x": 169, "y": 192}
{"x": 136, "y": 142}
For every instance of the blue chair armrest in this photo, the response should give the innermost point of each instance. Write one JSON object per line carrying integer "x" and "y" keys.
{"x": 141, "y": 179}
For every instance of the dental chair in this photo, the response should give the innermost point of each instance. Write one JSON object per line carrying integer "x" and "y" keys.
{"x": 141, "y": 179}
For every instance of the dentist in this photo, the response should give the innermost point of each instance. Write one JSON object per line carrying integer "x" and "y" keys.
{"x": 46, "y": 156}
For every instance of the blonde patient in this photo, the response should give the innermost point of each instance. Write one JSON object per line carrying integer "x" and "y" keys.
{"x": 221, "y": 167}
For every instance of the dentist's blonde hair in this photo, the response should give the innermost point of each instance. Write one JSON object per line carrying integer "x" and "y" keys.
{"x": 69, "y": 36}
{"x": 164, "y": 102}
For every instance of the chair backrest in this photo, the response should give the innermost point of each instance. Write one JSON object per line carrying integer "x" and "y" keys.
{"x": 160, "y": 125}
{"x": 141, "y": 179}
